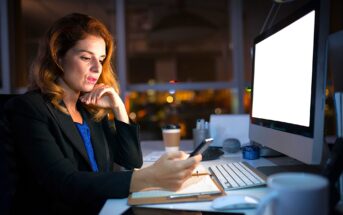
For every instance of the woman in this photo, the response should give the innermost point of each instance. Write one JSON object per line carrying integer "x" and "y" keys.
{"x": 66, "y": 145}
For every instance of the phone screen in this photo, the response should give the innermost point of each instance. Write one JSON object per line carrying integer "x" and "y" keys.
{"x": 201, "y": 147}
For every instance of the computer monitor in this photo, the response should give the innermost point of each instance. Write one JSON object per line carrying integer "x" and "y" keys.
{"x": 288, "y": 84}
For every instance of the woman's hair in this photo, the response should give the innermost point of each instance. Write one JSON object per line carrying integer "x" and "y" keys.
{"x": 62, "y": 36}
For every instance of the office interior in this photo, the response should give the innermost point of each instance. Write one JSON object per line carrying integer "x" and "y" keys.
{"x": 169, "y": 70}
{"x": 178, "y": 75}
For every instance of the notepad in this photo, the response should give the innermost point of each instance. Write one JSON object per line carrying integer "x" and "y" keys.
{"x": 197, "y": 188}
{"x": 202, "y": 184}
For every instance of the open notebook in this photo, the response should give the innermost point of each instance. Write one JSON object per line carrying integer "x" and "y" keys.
{"x": 199, "y": 187}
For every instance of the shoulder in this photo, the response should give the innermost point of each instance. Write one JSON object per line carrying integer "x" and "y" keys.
{"x": 28, "y": 103}
{"x": 34, "y": 98}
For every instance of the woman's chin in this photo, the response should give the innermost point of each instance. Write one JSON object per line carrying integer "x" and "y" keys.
{"x": 87, "y": 89}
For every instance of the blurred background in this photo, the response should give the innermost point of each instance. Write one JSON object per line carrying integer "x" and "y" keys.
{"x": 176, "y": 60}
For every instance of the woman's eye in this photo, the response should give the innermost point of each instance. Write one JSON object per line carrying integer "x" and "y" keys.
{"x": 85, "y": 58}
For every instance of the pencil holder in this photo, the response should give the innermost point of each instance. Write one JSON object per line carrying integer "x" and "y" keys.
{"x": 199, "y": 135}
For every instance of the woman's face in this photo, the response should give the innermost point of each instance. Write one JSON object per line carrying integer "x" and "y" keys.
{"x": 82, "y": 65}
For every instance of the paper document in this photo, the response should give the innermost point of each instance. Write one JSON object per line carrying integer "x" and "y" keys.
{"x": 153, "y": 156}
{"x": 226, "y": 126}
{"x": 202, "y": 184}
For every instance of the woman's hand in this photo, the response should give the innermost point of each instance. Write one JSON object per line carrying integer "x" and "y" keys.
{"x": 106, "y": 97}
{"x": 169, "y": 172}
{"x": 172, "y": 169}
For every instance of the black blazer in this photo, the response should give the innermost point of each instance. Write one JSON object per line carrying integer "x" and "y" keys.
{"x": 55, "y": 175}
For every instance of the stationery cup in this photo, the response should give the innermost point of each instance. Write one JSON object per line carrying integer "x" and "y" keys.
{"x": 296, "y": 194}
{"x": 171, "y": 137}
{"x": 199, "y": 135}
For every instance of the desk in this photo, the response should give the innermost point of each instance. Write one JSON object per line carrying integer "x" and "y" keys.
{"x": 117, "y": 206}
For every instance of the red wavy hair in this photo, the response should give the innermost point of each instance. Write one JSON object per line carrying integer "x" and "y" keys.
{"x": 62, "y": 36}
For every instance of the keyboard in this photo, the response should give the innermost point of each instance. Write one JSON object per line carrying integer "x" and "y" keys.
{"x": 237, "y": 175}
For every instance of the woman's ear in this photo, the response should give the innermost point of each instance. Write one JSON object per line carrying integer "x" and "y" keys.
{"x": 59, "y": 63}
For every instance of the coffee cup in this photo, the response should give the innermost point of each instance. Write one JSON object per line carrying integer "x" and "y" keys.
{"x": 171, "y": 137}
{"x": 296, "y": 194}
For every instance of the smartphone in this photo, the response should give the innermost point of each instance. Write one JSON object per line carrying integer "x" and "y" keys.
{"x": 201, "y": 147}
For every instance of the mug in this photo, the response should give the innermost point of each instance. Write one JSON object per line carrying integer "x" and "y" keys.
{"x": 297, "y": 194}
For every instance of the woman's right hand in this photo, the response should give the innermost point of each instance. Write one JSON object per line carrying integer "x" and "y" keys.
{"x": 169, "y": 172}
{"x": 173, "y": 168}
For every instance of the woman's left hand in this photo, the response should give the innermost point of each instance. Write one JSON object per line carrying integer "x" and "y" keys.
{"x": 104, "y": 96}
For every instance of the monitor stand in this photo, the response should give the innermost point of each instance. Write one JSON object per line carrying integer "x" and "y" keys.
{"x": 301, "y": 167}
{"x": 270, "y": 170}
{"x": 268, "y": 152}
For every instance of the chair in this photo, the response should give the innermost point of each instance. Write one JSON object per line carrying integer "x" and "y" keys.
{"x": 7, "y": 162}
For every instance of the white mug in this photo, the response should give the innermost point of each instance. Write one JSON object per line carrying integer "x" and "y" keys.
{"x": 296, "y": 194}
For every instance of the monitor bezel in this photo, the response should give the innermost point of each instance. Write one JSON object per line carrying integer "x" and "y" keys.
{"x": 305, "y": 138}
{"x": 283, "y": 126}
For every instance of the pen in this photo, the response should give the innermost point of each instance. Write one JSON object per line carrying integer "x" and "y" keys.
{"x": 187, "y": 195}
{"x": 191, "y": 195}
{"x": 199, "y": 174}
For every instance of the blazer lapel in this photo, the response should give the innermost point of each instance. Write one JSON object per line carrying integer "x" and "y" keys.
{"x": 98, "y": 140}
{"x": 69, "y": 129}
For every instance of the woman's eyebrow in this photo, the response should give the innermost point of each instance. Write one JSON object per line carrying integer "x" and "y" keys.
{"x": 89, "y": 52}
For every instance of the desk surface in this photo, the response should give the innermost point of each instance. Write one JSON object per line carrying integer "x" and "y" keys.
{"x": 117, "y": 206}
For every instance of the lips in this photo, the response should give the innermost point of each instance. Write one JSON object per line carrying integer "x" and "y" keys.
{"x": 92, "y": 80}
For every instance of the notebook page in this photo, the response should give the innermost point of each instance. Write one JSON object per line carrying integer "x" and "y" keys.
{"x": 202, "y": 184}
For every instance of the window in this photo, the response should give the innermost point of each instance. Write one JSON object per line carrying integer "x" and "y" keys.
{"x": 182, "y": 57}
{"x": 179, "y": 63}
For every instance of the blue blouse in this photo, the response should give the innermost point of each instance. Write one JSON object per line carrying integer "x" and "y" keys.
{"x": 86, "y": 137}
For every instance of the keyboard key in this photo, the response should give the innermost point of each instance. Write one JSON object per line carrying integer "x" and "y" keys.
{"x": 219, "y": 175}
{"x": 249, "y": 175}
{"x": 240, "y": 173}
{"x": 254, "y": 175}
{"x": 230, "y": 172}
{"x": 228, "y": 177}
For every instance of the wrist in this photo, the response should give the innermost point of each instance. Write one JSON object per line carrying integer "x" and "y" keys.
{"x": 141, "y": 179}
{"x": 120, "y": 113}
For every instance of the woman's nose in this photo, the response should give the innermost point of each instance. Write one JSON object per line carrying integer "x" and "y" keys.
{"x": 96, "y": 66}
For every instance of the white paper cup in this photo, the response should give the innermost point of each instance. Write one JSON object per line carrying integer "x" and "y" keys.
{"x": 171, "y": 138}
